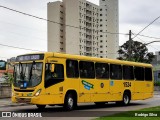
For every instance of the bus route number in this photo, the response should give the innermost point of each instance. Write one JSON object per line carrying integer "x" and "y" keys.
{"x": 127, "y": 84}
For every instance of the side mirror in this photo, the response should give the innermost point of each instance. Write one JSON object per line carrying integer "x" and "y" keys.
{"x": 52, "y": 67}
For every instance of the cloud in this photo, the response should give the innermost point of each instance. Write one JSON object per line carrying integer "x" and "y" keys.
{"x": 139, "y": 11}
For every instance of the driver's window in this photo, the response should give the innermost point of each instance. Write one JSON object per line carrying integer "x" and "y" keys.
{"x": 57, "y": 76}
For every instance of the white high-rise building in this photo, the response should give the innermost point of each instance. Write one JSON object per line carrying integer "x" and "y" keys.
{"x": 80, "y": 27}
{"x": 108, "y": 23}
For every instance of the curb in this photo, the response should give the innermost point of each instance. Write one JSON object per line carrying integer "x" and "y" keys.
{"x": 14, "y": 105}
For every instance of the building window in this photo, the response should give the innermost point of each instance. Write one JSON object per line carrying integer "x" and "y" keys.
{"x": 101, "y": 51}
{"x": 100, "y": 14}
{"x": 101, "y": 46}
{"x": 101, "y": 35}
{"x": 100, "y": 9}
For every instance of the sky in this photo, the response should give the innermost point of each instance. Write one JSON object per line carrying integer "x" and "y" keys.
{"x": 26, "y": 32}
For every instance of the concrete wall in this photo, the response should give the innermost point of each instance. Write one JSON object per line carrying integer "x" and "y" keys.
{"x": 5, "y": 90}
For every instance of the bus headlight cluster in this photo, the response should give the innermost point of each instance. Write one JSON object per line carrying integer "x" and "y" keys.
{"x": 38, "y": 92}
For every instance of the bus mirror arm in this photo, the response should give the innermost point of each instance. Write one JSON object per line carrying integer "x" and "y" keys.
{"x": 52, "y": 68}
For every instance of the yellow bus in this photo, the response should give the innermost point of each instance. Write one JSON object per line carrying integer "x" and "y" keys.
{"x": 62, "y": 79}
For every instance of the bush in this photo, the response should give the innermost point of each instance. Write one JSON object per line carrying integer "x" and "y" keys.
{"x": 157, "y": 83}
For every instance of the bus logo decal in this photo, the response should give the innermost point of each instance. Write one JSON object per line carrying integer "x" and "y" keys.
{"x": 111, "y": 83}
{"x": 87, "y": 85}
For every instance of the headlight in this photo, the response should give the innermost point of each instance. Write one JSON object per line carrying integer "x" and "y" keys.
{"x": 38, "y": 92}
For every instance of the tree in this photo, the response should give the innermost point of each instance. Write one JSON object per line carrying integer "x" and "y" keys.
{"x": 136, "y": 51}
{"x": 8, "y": 77}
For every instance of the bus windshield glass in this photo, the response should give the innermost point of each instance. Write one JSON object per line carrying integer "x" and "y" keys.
{"x": 27, "y": 74}
{"x": 2, "y": 65}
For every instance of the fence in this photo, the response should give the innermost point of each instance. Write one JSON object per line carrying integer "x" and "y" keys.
{"x": 5, "y": 90}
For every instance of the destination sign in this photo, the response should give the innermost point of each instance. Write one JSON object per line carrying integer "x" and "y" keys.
{"x": 30, "y": 57}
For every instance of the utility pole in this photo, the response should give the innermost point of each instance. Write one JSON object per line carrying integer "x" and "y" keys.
{"x": 130, "y": 44}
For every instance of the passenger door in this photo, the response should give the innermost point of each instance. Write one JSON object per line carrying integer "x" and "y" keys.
{"x": 116, "y": 83}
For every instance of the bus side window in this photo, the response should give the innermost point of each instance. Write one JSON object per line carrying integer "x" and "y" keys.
{"x": 128, "y": 73}
{"x": 148, "y": 74}
{"x": 102, "y": 70}
{"x": 86, "y": 69}
{"x": 115, "y": 71}
{"x": 72, "y": 69}
{"x": 139, "y": 73}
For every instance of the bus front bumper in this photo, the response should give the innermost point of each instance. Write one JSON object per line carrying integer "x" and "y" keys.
{"x": 28, "y": 100}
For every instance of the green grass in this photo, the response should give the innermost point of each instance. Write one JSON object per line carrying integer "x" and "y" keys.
{"x": 130, "y": 115}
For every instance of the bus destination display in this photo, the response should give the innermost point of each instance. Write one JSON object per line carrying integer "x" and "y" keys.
{"x": 30, "y": 57}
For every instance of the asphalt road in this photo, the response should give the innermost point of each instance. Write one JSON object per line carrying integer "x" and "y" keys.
{"x": 83, "y": 112}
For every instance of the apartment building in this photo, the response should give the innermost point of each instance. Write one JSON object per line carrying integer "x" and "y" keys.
{"x": 80, "y": 27}
{"x": 108, "y": 23}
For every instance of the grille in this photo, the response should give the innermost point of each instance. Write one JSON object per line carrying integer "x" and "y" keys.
{"x": 23, "y": 100}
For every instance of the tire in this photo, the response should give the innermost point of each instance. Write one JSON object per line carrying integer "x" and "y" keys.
{"x": 126, "y": 99}
{"x": 69, "y": 102}
{"x": 41, "y": 107}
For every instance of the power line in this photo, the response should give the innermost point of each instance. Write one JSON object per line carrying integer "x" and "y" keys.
{"x": 148, "y": 45}
{"x": 146, "y": 27}
{"x": 147, "y": 36}
{"x": 20, "y": 48}
{"x": 24, "y": 35}
{"x": 145, "y": 43}
{"x": 50, "y": 20}
{"x": 22, "y": 26}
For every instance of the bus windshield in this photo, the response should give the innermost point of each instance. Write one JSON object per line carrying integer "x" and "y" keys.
{"x": 2, "y": 65}
{"x": 27, "y": 74}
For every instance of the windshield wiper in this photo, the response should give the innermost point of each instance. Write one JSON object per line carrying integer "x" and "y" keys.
{"x": 30, "y": 74}
{"x": 22, "y": 74}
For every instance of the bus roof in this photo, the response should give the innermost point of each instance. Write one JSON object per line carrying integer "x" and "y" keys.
{"x": 95, "y": 59}
{"x": 87, "y": 58}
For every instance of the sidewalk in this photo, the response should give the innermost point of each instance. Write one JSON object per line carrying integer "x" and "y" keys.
{"x": 7, "y": 101}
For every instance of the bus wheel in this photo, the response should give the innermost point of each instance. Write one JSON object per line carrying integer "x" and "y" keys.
{"x": 41, "y": 107}
{"x": 69, "y": 102}
{"x": 126, "y": 99}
